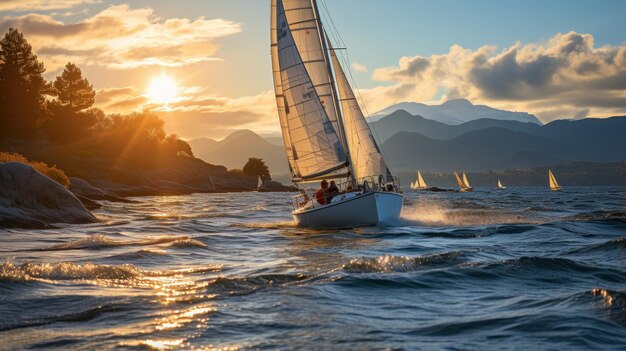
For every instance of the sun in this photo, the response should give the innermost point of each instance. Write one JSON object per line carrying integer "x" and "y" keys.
{"x": 163, "y": 90}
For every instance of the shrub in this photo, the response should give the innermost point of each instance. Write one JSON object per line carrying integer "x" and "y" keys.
{"x": 236, "y": 172}
{"x": 51, "y": 172}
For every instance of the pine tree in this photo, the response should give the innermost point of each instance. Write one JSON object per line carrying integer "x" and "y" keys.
{"x": 69, "y": 118}
{"x": 72, "y": 90}
{"x": 21, "y": 86}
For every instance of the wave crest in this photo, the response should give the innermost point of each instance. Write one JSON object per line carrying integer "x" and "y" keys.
{"x": 389, "y": 264}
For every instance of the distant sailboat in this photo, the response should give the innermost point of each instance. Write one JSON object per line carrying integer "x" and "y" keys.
{"x": 554, "y": 186}
{"x": 463, "y": 183}
{"x": 259, "y": 183}
{"x": 500, "y": 186}
{"x": 325, "y": 134}
{"x": 419, "y": 184}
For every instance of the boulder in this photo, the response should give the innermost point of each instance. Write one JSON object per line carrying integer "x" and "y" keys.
{"x": 83, "y": 189}
{"x": 28, "y": 199}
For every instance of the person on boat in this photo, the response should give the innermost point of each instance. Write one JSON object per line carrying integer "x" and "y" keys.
{"x": 333, "y": 190}
{"x": 322, "y": 193}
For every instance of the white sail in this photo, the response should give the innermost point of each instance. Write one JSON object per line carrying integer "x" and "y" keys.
{"x": 420, "y": 180}
{"x": 313, "y": 146}
{"x": 305, "y": 27}
{"x": 500, "y": 185}
{"x": 367, "y": 160}
{"x": 553, "y": 183}
{"x": 465, "y": 181}
{"x": 458, "y": 180}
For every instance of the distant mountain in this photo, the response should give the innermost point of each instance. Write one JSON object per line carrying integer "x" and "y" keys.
{"x": 454, "y": 112}
{"x": 403, "y": 121}
{"x": 234, "y": 151}
{"x": 491, "y": 148}
{"x": 523, "y": 145}
{"x": 413, "y": 142}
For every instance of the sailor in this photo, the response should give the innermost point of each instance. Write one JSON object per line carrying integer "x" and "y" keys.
{"x": 322, "y": 193}
{"x": 333, "y": 190}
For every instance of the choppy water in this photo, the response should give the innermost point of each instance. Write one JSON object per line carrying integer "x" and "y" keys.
{"x": 520, "y": 269}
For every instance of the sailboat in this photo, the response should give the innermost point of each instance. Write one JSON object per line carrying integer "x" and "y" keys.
{"x": 500, "y": 186}
{"x": 463, "y": 183}
{"x": 325, "y": 134}
{"x": 554, "y": 186}
{"x": 419, "y": 184}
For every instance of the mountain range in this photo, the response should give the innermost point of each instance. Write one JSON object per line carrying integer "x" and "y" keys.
{"x": 234, "y": 151}
{"x": 414, "y": 142}
{"x": 454, "y": 112}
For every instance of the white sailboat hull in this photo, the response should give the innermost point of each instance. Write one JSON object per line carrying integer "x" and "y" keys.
{"x": 371, "y": 208}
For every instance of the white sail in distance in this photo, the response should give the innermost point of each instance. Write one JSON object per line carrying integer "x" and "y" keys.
{"x": 367, "y": 160}
{"x": 553, "y": 183}
{"x": 422, "y": 183}
{"x": 500, "y": 184}
{"x": 313, "y": 146}
{"x": 465, "y": 181}
{"x": 459, "y": 180}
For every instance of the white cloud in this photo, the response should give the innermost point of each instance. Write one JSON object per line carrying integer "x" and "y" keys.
{"x": 359, "y": 67}
{"x": 566, "y": 77}
{"x": 26, "y": 5}
{"x": 121, "y": 37}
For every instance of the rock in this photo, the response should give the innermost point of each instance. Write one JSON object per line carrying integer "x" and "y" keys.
{"x": 273, "y": 186}
{"x": 28, "y": 199}
{"x": 83, "y": 189}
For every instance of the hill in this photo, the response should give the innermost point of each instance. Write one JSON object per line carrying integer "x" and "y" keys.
{"x": 401, "y": 120}
{"x": 234, "y": 151}
{"x": 454, "y": 112}
{"x": 491, "y": 148}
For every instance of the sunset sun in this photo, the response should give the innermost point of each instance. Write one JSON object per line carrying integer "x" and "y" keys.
{"x": 162, "y": 90}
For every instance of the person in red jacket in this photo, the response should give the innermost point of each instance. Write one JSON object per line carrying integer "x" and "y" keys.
{"x": 322, "y": 193}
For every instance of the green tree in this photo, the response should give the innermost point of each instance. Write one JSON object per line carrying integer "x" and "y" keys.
{"x": 69, "y": 117}
{"x": 256, "y": 167}
{"x": 21, "y": 86}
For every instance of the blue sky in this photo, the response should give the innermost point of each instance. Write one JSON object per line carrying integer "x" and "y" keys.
{"x": 556, "y": 59}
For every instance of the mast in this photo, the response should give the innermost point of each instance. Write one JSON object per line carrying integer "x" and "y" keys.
{"x": 333, "y": 88}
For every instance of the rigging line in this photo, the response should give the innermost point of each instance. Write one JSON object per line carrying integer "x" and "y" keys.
{"x": 335, "y": 31}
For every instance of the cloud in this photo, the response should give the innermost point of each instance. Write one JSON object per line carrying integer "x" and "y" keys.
{"x": 567, "y": 77}
{"x": 195, "y": 112}
{"x": 359, "y": 67}
{"x": 120, "y": 37}
{"x": 26, "y": 5}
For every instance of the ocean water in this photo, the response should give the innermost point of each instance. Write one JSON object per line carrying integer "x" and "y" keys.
{"x": 521, "y": 269}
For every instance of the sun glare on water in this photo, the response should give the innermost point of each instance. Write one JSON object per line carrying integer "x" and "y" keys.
{"x": 163, "y": 90}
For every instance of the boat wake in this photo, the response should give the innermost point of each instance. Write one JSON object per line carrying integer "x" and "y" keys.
{"x": 434, "y": 214}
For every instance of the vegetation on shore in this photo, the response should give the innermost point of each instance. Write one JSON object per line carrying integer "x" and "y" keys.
{"x": 51, "y": 172}
{"x": 51, "y": 120}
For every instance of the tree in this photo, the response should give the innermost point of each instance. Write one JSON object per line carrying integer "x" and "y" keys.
{"x": 69, "y": 118}
{"x": 256, "y": 167}
{"x": 21, "y": 86}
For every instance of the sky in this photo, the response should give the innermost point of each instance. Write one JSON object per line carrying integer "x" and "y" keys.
{"x": 204, "y": 66}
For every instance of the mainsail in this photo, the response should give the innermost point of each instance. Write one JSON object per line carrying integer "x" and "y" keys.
{"x": 367, "y": 160}
{"x": 465, "y": 181}
{"x": 420, "y": 180}
{"x": 500, "y": 185}
{"x": 304, "y": 97}
{"x": 553, "y": 184}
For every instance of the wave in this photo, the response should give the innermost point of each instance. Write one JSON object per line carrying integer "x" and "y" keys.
{"x": 615, "y": 244}
{"x": 63, "y": 271}
{"x": 266, "y": 225}
{"x": 99, "y": 241}
{"x": 389, "y": 264}
{"x": 247, "y": 285}
{"x": 598, "y": 216}
{"x": 82, "y": 316}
